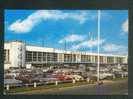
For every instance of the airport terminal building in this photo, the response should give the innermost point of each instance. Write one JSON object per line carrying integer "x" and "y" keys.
{"x": 19, "y": 55}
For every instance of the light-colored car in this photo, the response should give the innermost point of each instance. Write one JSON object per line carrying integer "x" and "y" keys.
{"x": 76, "y": 77}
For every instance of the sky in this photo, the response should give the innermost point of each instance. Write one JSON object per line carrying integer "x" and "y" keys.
{"x": 74, "y": 30}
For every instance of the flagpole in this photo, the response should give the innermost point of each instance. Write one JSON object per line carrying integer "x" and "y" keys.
{"x": 91, "y": 47}
{"x": 98, "y": 50}
{"x": 90, "y": 35}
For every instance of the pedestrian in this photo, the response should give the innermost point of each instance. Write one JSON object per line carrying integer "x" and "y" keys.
{"x": 100, "y": 82}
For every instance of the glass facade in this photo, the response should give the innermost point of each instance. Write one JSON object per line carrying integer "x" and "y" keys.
{"x": 40, "y": 56}
{"x": 85, "y": 58}
{"x": 69, "y": 58}
{"x": 119, "y": 59}
{"x": 32, "y": 56}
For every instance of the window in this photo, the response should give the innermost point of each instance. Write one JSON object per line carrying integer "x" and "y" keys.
{"x": 39, "y": 56}
{"x": 6, "y": 55}
{"x": 44, "y": 56}
{"x": 34, "y": 56}
{"x": 28, "y": 56}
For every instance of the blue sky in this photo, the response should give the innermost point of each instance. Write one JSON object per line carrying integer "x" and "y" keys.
{"x": 75, "y": 28}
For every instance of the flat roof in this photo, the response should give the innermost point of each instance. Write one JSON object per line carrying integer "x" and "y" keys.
{"x": 47, "y": 49}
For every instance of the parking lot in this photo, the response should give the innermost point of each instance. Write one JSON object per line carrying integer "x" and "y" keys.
{"x": 36, "y": 77}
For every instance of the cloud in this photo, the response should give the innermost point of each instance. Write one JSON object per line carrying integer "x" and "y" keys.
{"x": 73, "y": 38}
{"x": 125, "y": 26}
{"x": 105, "y": 15}
{"x": 115, "y": 49}
{"x": 87, "y": 44}
{"x": 26, "y": 25}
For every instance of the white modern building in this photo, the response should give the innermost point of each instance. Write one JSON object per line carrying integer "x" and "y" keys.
{"x": 19, "y": 55}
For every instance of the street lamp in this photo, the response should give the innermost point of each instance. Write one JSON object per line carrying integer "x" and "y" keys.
{"x": 90, "y": 35}
{"x": 98, "y": 45}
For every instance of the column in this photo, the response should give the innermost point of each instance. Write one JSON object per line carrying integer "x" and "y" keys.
{"x": 31, "y": 56}
{"x": 37, "y": 56}
{"x": 106, "y": 59}
{"x": 46, "y": 57}
{"x": 42, "y": 57}
{"x": 6, "y": 55}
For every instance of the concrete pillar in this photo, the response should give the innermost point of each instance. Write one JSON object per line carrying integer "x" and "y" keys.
{"x": 6, "y": 55}
{"x": 42, "y": 57}
{"x": 78, "y": 58}
{"x": 7, "y": 87}
{"x": 72, "y": 57}
{"x": 35, "y": 85}
{"x": 91, "y": 59}
{"x": 105, "y": 59}
{"x": 37, "y": 56}
{"x": 32, "y": 56}
{"x": 46, "y": 58}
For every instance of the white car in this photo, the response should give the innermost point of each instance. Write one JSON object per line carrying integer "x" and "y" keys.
{"x": 76, "y": 77}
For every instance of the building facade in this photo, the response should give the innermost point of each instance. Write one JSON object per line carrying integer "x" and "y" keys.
{"x": 17, "y": 55}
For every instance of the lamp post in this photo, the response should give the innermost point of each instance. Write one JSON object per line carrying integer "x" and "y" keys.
{"x": 98, "y": 45}
{"x": 90, "y": 35}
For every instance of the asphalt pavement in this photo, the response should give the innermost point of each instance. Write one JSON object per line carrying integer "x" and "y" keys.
{"x": 113, "y": 88}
